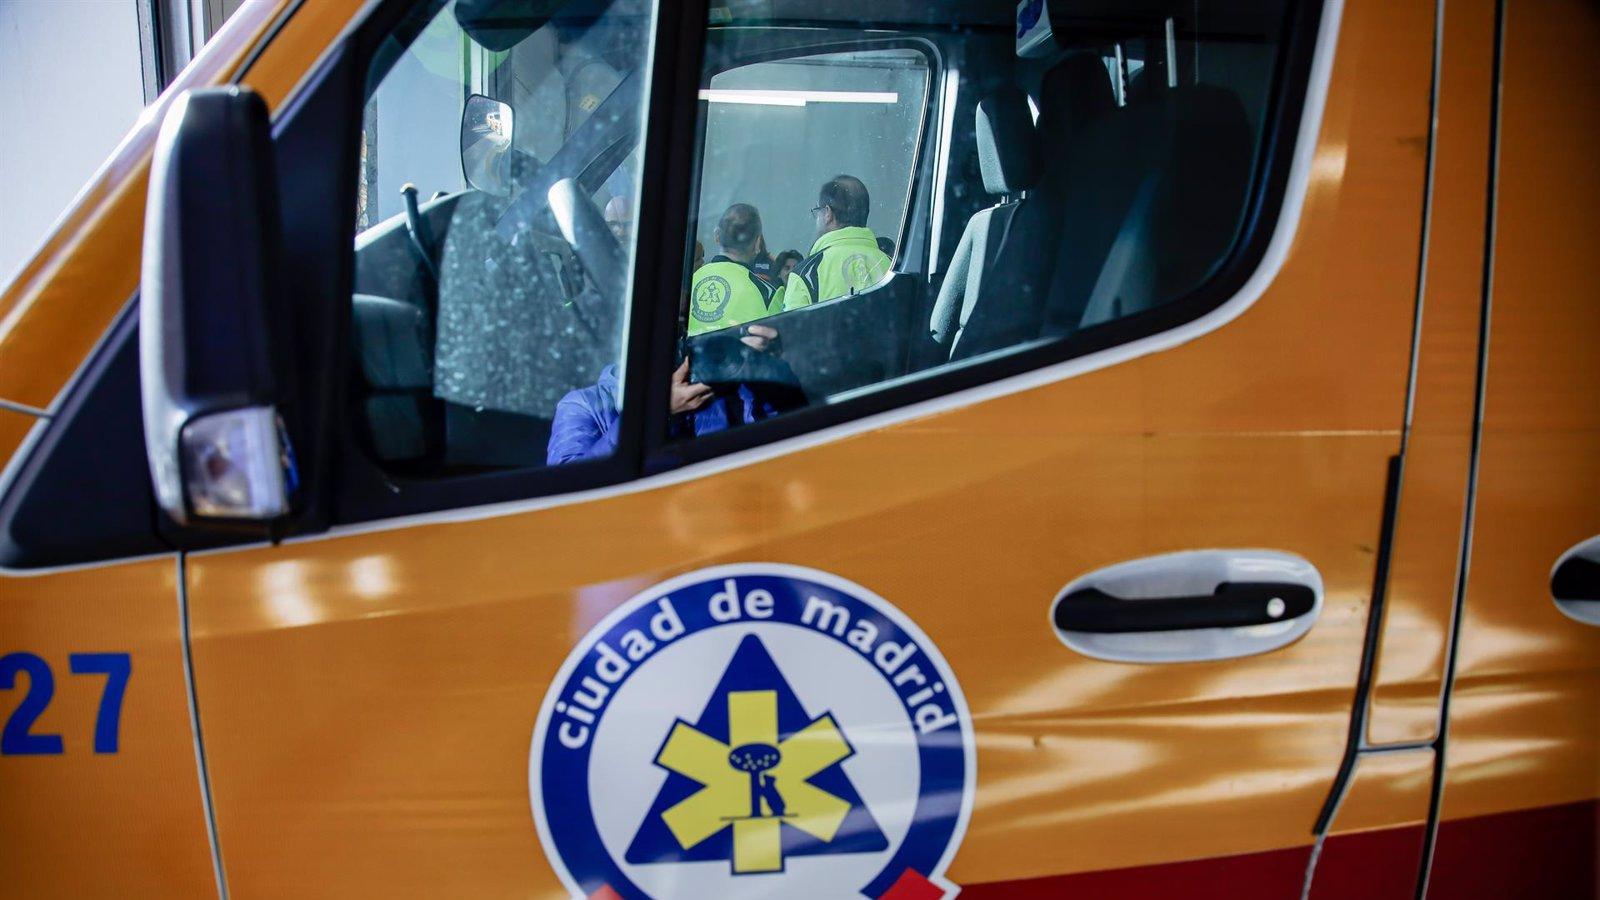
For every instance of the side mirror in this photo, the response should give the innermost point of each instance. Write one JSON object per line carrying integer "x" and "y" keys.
{"x": 210, "y": 306}
{"x": 486, "y": 154}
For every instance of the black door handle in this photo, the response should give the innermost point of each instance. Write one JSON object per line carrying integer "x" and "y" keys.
{"x": 1576, "y": 578}
{"x": 1233, "y": 605}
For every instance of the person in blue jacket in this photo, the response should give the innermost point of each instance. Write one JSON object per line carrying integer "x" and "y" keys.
{"x": 586, "y": 420}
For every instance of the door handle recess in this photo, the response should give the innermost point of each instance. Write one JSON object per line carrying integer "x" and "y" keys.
{"x": 1190, "y": 606}
{"x": 1575, "y": 582}
{"x": 1231, "y": 605}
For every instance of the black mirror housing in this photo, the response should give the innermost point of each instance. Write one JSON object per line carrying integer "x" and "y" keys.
{"x": 213, "y": 377}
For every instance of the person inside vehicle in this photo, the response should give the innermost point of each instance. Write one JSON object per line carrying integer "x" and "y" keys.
{"x": 728, "y": 290}
{"x": 845, "y": 260}
{"x": 619, "y": 218}
{"x": 586, "y": 420}
{"x": 784, "y": 264}
{"x": 763, "y": 264}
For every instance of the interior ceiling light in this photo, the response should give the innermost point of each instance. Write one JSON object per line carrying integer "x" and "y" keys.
{"x": 795, "y": 98}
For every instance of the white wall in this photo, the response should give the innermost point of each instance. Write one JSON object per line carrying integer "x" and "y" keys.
{"x": 70, "y": 87}
{"x": 417, "y": 134}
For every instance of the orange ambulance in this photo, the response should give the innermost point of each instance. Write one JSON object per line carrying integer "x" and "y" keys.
{"x": 1168, "y": 464}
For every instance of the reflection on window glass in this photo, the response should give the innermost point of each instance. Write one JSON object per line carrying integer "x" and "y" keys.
{"x": 775, "y": 132}
{"x": 499, "y": 175}
{"x": 879, "y": 202}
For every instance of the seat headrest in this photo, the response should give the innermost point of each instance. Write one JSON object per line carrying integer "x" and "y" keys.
{"x": 1074, "y": 92}
{"x": 1008, "y": 147}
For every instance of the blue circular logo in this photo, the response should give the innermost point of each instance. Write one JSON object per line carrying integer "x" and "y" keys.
{"x": 753, "y": 731}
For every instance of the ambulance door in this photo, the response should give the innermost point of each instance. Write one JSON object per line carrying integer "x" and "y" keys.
{"x": 102, "y": 787}
{"x": 1073, "y": 602}
{"x": 1522, "y": 751}
{"x": 99, "y": 768}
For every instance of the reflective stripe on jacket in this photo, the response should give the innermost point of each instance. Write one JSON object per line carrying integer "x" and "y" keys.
{"x": 844, "y": 261}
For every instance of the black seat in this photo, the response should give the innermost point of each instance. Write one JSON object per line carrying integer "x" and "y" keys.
{"x": 1138, "y": 204}
{"x": 518, "y": 326}
{"x": 1008, "y": 156}
{"x": 394, "y": 342}
{"x": 1002, "y": 303}
{"x": 1171, "y": 175}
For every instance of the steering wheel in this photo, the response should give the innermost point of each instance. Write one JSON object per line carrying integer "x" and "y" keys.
{"x": 584, "y": 228}
{"x": 614, "y": 125}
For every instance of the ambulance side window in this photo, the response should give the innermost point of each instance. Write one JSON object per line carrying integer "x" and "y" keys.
{"x": 776, "y": 129}
{"x": 962, "y": 200}
{"x": 485, "y": 313}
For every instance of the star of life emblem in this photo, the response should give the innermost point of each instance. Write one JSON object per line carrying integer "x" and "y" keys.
{"x": 753, "y": 731}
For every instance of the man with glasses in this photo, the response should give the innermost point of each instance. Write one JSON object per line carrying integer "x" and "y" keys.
{"x": 846, "y": 259}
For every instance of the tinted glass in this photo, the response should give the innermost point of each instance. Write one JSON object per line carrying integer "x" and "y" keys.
{"x": 499, "y": 175}
{"x": 957, "y": 192}
{"x": 775, "y": 130}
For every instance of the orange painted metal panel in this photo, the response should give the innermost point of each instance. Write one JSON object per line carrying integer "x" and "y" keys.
{"x": 393, "y": 677}
{"x": 1525, "y": 720}
{"x": 14, "y": 427}
{"x": 1374, "y": 847}
{"x": 1388, "y": 790}
{"x": 130, "y": 823}
{"x": 1409, "y": 672}
{"x": 81, "y": 823}
{"x": 369, "y": 698}
{"x": 1525, "y": 716}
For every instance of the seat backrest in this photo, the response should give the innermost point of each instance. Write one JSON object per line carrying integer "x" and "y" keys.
{"x": 1003, "y": 304}
{"x": 394, "y": 342}
{"x": 1174, "y": 172}
{"x": 517, "y": 326}
{"x": 1008, "y": 157}
{"x": 1199, "y": 210}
